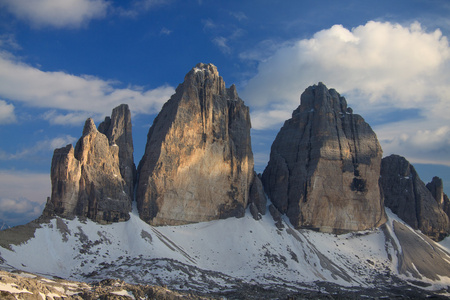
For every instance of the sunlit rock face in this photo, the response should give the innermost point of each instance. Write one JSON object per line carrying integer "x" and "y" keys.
{"x": 408, "y": 197}
{"x": 198, "y": 162}
{"x": 324, "y": 166}
{"x": 87, "y": 180}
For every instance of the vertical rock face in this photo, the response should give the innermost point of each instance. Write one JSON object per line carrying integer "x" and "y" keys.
{"x": 436, "y": 187}
{"x": 87, "y": 180}
{"x": 198, "y": 163}
{"x": 408, "y": 197}
{"x": 118, "y": 130}
{"x": 324, "y": 166}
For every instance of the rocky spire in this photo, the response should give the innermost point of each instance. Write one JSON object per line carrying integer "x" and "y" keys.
{"x": 436, "y": 187}
{"x": 198, "y": 162}
{"x": 87, "y": 180}
{"x": 324, "y": 166}
{"x": 408, "y": 197}
{"x": 118, "y": 130}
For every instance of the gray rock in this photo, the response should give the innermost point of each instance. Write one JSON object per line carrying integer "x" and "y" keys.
{"x": 257, "y": 198}
{"x": 198, "y": 163}
{"x": 324, "y": 166}
{"x": 436, "y": 187}
{"x": 408, "y": 197}
{"x": 118, "y": 130}
{"x": 87, "y": 180}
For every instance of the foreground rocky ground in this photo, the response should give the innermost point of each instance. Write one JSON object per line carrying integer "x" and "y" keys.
{"x": 21, "y": 285}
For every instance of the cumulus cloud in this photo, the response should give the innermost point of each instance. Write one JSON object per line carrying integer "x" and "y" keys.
{"x": 378, "y": 67}
{"x": 7, "y": 114}
{"x": 78, "y": 96}
{"x": 57, "y": 13}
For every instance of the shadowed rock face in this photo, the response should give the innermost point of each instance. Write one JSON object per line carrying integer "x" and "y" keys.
{"x": 87, "y": 181}
{"x": 118, "y": 130}
{"x": 408, "y": 197}
{"x": 324, "y": 166}
{"x": 198, "y": 162}
{"x": 436, "y": 187}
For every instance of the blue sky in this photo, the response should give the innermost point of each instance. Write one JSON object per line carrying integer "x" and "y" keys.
{"x": 64, "y": 61}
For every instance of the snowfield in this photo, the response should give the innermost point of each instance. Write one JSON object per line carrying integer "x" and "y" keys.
{"x": 224, "y": 254}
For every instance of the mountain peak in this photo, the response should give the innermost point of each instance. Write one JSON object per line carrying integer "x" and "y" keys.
{"x": 198, "y": 162}
{"x": 324, "y": 166}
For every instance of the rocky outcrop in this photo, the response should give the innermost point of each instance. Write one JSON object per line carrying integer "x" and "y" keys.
{"x": 87, "y": 180}
{"x": 21, "y": 285}
{"x": 257, "y": 198}
{"x": 198, "y": 162}
{"x": 408, "y": 197}
{"x": 324, "y": 166}
{"x": 436, "y": 187}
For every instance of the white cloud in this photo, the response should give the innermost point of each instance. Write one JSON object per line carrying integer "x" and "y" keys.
{"x": 378, "y": 67}
{"x": 57, "y": 13}
{"x": 425, "y": 141}
{"x": 7, "y": 113}
{"x": 42, "y": 146}
{"x": 19, "y": 211}
{"x": 79, "y": 96}
{"x": 221, "y": 42}
{"x": 35, "y": 187}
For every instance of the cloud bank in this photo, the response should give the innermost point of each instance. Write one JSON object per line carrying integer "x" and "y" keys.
{"x": 56, "y": 13}
{"x": 71, "y": 98}
{"x": 23, "y": 195}
{"x": 379, "y": 67}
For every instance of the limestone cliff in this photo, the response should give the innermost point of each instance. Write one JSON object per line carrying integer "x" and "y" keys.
{"x": 407, "y": 196}
{"x": 118, "y": 130}
{"x": 198, "y": 162}
{"x": 87, "y": 180}
{"x": 324, "y": 166}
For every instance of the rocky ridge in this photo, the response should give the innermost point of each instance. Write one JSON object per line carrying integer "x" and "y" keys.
{"x": 198, "y": 162}
{"x": 408, "y": 197}
{"x": 324, "y": 166}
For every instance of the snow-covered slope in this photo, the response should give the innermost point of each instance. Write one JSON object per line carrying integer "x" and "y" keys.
{"x": 225, "y": 254}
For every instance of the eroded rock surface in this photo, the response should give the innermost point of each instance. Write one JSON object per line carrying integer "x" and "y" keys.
{"x": 118, "y": 130}
{"x": 198, "y": 162}
{"x": 324, "y": 166}
{"x": 436, "y": 187}
{"x": 87, "y": 180}
{"x": 408, "y": 197}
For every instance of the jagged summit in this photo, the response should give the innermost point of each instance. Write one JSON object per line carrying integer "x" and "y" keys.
{"x": 324, "y": 166}
{"x": 87, "y": 180}
{"x": 198, "y": 162}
